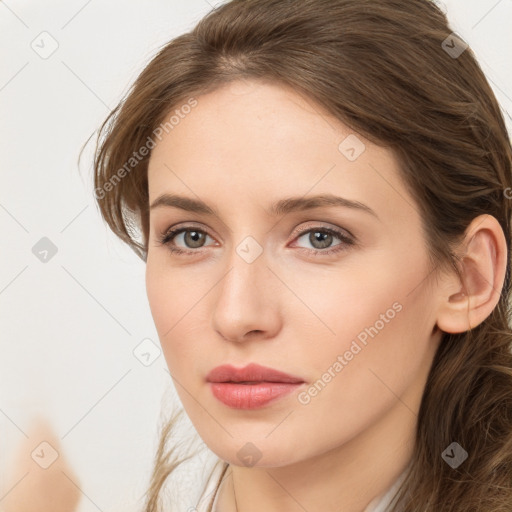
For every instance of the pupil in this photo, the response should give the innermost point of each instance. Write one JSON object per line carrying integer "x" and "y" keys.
{"x": 193, "y": 237}
{"x": 324, "y": 239}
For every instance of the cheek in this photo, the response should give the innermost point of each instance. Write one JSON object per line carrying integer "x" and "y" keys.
{"x": 170, "y": 291}
{"x": 161, "y": 295}
{"x": 379, "y": 349}
{"x": 166, "y": 298}
{"x": 177, "y": 303}
{"x": 375, "y": 314}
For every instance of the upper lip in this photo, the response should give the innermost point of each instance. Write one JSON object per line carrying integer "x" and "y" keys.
{"x": 250, "y": 373}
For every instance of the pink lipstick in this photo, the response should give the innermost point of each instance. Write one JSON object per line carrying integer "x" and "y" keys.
{"x": 250, "y": 387}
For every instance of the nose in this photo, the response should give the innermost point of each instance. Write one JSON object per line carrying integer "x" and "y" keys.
{"x": 246, "y": 304}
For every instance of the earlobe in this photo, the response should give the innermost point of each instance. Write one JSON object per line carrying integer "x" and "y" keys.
{"x": 483, "y": 266}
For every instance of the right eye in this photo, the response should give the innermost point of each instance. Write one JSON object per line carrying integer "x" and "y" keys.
{"x": 193, "y": 238}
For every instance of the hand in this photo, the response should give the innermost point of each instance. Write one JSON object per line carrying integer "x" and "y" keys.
{"x": 53, "y": 489}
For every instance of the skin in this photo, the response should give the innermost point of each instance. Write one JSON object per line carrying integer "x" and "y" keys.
{"x": 40, "y": 477}
{"x": 242, "y": 147}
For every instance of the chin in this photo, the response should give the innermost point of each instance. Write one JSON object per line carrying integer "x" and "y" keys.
{"x": 264, "y": 453}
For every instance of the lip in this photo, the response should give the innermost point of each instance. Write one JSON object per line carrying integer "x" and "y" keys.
{"x": 250, "y": 373}
{"x": 250, "y": 387}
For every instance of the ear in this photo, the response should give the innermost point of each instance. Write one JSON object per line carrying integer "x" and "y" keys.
{"x": 483, "y": 264}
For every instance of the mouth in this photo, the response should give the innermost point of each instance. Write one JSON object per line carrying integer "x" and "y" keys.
{"x": 251, "y": 395}
{"x": 252, "y": 386}
{"x": 251, "y": 374}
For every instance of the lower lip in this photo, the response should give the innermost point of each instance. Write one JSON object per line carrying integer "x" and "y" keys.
{"x": 250, "y": 396}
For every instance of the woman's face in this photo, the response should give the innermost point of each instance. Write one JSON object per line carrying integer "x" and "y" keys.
{"x": 350, "y": 311}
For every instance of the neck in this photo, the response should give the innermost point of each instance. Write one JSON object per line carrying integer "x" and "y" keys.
{"x": 348, "y": 477}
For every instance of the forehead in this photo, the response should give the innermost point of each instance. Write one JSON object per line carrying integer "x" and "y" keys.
{"x": 257, "y": 142}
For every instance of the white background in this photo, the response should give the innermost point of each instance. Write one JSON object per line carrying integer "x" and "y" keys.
{"x": 69, "y": 326}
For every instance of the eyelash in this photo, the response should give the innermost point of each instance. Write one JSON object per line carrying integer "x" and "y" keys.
{"x": 170, "y": 234}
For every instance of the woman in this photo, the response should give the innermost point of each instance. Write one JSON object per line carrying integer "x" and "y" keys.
{"x": 322, "y": 193}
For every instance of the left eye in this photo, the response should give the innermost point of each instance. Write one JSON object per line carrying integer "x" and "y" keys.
{"x": 322, "y": 238}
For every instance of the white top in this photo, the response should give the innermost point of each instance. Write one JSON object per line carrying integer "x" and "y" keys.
{"x": 382, "y": 502}
{"x": 378, "y": 504}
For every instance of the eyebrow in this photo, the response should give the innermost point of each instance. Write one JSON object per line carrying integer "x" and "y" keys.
{"x": 281, "y": 207}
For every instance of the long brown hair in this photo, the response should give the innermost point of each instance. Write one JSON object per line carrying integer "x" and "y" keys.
{"x": 394, "y": 72}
